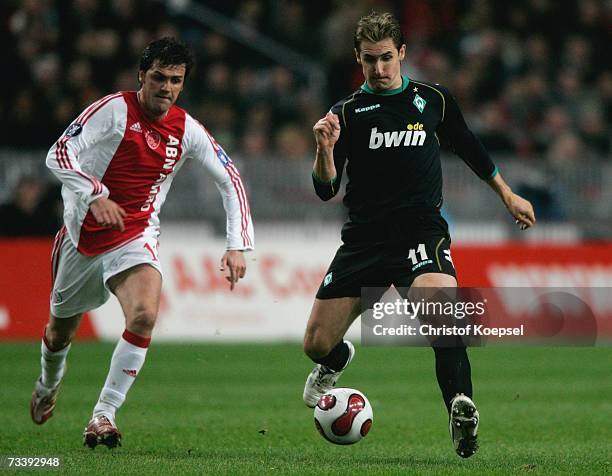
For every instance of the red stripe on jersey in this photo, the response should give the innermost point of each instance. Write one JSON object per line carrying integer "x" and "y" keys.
{"x": 82, "y": 119}
{"x": 240, "y": 203}
{"x": 64, "y": 152}
{"x": 209, "y": 135}
{"x": 97, "y": 187}
{"x": 100, "y": 102}
{"x": 238, "y": 186}
{"x": 59, "y": 153}
{"x": 245, "y": 218}
{"x": 242, "y": 200}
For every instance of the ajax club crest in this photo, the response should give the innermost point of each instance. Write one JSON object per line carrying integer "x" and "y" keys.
{"x": 153, "y": 139}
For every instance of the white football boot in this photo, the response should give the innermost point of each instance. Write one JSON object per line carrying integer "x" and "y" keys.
{"x": 42, "y": 403}
{"x": 463, "y": 425}
{"x": 322, "y": 379}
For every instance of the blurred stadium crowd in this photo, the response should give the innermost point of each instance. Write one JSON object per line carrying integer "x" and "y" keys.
{"x": 532, "y": 76}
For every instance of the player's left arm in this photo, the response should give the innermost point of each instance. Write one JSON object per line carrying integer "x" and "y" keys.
{"x": 239, "y": 226}
{"x": 454, "y": 131}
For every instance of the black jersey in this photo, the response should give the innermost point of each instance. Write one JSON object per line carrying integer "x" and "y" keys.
{"x": 390, "y": 142}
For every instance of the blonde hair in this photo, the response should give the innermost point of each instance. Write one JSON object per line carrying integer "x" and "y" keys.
{"x": 375, "y": 27}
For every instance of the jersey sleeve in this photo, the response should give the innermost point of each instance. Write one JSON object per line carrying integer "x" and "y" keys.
{"x": 85, "y": 132}
{"x": 203, "y": 147}
{"x": 328, "y": 190}
{"x": 454, "y": 132}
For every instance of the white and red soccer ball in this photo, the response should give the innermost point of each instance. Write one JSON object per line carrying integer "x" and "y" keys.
{"x": 343, "y": 416}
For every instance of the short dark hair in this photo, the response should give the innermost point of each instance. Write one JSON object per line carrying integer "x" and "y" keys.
{"x": 376, "y": 27}
{"x": 169, "y": 52}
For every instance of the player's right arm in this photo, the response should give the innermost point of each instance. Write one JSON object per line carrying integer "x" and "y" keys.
{"x": 327, "y": 168}
{"x": 92, "y": 126}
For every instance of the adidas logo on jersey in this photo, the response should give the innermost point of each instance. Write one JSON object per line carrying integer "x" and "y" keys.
{"x": 414, "y": 135}
{"x": 136, "y": 127}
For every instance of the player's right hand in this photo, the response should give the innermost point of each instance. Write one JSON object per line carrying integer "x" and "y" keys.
{"x": 107, "y": 213}
{"x": 327, "y": 130}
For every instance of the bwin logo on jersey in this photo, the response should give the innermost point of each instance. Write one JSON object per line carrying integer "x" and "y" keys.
{"x": 414, "y": 136}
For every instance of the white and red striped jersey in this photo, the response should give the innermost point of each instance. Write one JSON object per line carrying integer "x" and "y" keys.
{"x": 113, "y": 150}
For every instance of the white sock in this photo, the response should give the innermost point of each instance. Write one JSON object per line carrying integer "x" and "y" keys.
{"x": 53, "y": 364}
{"x": 128, "y": 358}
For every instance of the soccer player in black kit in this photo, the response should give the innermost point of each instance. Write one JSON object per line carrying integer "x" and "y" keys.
{"x": 389, "y": 134}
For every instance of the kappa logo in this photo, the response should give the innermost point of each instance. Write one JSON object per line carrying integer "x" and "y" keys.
{"x": 419, "y": 102}
{"x": 136, "y": 127}
{"x": 153, "y": 139}
{"x": 367, "y": 108}
{"x": 130, "y": 372}
{"x": 413, "y": 136}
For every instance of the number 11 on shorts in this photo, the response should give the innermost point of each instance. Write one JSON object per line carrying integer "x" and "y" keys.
{"x": 421, "y": 251}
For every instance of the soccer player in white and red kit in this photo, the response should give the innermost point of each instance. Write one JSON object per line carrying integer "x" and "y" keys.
{"x": 116, "y": 162}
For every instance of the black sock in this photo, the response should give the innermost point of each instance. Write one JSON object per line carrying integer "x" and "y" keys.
{"x": 337, "y": 358}
{"x": 454, "y": 372}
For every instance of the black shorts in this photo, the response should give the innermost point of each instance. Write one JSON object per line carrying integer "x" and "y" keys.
{"x": 359, "y": 265}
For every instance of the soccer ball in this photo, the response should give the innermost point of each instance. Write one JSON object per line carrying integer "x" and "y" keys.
{"x": 343, "y": 416}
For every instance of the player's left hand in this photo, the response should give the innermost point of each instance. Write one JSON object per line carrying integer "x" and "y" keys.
{"x": 234, "y": 261}
{"x": 521, "y": 210}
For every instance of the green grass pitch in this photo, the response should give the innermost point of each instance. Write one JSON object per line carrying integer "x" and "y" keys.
{"x": 237, "y": 409}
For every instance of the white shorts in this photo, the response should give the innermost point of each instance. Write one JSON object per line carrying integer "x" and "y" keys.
{"x": 80, "y": 282}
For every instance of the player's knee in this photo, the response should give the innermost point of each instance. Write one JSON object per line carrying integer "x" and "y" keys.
{"x": 143, "y": 319}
